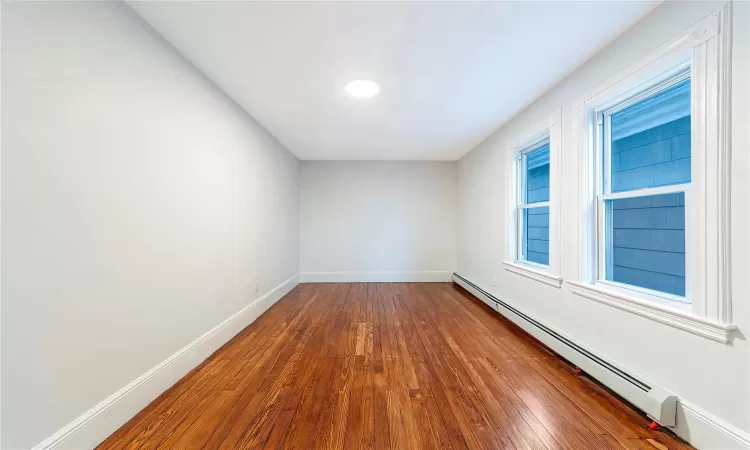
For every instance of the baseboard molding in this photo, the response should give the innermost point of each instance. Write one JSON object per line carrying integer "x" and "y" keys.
{"x": 706, "y": 431}
{"x": 96, "y": 424}
{"x": 703, "y": 430}
{"x": 376, "y": 277}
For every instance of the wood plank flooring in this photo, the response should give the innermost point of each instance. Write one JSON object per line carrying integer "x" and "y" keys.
{"x": 385, "y": 366}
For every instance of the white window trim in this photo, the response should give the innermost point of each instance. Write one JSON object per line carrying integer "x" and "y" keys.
{"x": 529, "y": 270}
{"x": 706, "y": 48}
{"x": 549, "y": 275}
{"x": 668, "y": 315}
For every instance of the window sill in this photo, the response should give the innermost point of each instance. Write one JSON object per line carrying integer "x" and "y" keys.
{"x": 533, "y": 274}
{"x": 663, "y": 314}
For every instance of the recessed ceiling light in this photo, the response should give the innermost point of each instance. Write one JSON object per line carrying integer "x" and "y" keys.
{"x": 362, "y": 88}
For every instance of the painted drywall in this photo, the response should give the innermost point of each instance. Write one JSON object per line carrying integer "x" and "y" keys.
{"x": 711, "y": 375}
{"x": 371, "y": 217}
{"x": 139, "y": 207}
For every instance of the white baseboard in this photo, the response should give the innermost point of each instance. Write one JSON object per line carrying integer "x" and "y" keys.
{"x": 377, "y": 277}
{"x": 96, "y": 424}
{"x": 705, "y": 431}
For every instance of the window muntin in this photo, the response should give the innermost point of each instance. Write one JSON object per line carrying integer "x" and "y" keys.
{"x": 646, "y": 165}
{"x": 533, "y": 207}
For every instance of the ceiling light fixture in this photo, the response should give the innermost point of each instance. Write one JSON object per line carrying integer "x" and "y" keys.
{"x": 362, "y": 88}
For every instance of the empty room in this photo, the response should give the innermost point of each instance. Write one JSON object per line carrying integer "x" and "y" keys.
{"x": 374, "y": 224}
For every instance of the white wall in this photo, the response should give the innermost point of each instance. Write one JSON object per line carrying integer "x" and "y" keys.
{"x": 710, "y": 375}
{"x": 139, "y": 207}
{"x": 377, "y": 220}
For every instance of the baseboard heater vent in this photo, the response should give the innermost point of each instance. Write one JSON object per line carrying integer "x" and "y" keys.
{"x": 658, "y": 403}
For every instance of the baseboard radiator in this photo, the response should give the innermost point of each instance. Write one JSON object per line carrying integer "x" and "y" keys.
{"x": 656, "y": 402}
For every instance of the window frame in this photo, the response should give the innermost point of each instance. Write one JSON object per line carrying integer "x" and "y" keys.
{"x": 522, "y": 203}
{"x": 533, "y": 138}
{"x": 603, "y": 194}
{"x": 703, "y": 50}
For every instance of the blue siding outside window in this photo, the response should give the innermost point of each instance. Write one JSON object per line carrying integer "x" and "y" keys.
{"x": 535, "y": 245}
{"x": 647, "y": 234}
{"x": 648, "y": 242}
{"x": 537, "y": 175}
{"x": 536, "y": 235}
{"x": 658, "y": 155}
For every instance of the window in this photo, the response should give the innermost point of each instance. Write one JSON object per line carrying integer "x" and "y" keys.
{"x": 533, "y": 205}
{"x": 654, "y": 167}
{"x": 532, "y": 217}
{"x": 645, "y": 149}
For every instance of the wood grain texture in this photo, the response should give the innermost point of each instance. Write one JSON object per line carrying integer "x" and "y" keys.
{"x": 385, "y": 366}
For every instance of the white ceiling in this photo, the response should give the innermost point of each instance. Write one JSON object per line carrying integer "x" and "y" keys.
{"x": 450, "y": 72}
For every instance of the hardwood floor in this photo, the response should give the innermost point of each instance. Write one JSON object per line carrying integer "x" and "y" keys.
{"x": 387, "y": 365}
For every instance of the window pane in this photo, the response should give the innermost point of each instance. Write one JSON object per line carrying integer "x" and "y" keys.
{"x": 651, "y": 141}
{"x": 535, "y": 243}
{"x": 537, "y": 175}
{"x": 647, "y": 241}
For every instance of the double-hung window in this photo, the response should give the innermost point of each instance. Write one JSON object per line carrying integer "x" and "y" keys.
{"x": 532, "y": 171}
{"x": 654, "y": 167}
{"x": 533, "y": 204}
{"x": 644, "y": 180}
